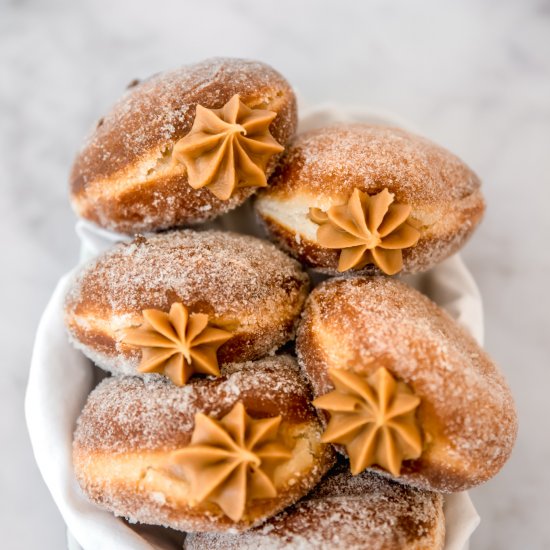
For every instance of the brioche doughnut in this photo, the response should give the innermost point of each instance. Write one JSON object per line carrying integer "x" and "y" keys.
{"x": 137, "y": 437}
{"x": 344, "y": 511}
{"x": 246, "y": 293}
{"x": 374, "y": 348}
{"x": 427, "y": 201}
{"x": 126, "y": 177}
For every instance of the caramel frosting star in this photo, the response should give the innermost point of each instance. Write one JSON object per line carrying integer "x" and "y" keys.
{"x": 228, "y": 148}
{"x": 177, "y": 344}
{"x": 231, "y": 461}
{"x": 374, "y": 418}
{"x": 368, "y": 229}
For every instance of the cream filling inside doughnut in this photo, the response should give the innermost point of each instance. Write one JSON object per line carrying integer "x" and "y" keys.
{"x": 293, "y": 213}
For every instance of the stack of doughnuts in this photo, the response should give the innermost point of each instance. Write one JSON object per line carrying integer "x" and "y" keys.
{"x": 244, "y": 407}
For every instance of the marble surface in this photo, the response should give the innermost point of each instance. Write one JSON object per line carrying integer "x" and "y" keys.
{"x": 472, "y": 75}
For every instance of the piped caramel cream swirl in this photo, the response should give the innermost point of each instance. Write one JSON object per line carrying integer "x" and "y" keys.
{"x": 231, "y": 461}
{"x": 228, "y": 148}
{"x": 374, "y": 418}
{"x": 368, "y": 229}
{"x": 177, "y": 344}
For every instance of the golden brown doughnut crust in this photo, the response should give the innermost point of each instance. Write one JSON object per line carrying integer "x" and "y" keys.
{"x": 466, "y": 412}
{"x": 130, "y": 425}
{"x": 123, "y": 179}
{"x": 321, "y": 168}
{"x": 244, "y": 284}
{"x": 344, "y": 511}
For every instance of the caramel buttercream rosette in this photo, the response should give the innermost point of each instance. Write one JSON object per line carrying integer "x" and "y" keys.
{"x": 367, "y": 230}
{"x": 177, "y": 344}
{"x": 374, "y": 418}
{"x": 228, "y": 148}
{"x": 232, "y": 462}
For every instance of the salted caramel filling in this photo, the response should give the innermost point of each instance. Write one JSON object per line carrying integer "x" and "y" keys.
{"x": 232, "y": 461}
{"x": 368, "y": 230}
{"x": 228, "y": 148}
{"x": 177, "y": 344}
{"x": 374, "y": 418}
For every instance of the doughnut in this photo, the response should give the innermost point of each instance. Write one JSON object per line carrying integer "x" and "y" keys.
{"x": 369, "y": 199}
{"x": 184, "y": 302}
{"x": 183, "y": 147}
{"x": 216, "y": 454}
{"x": 344, "y": 511}
{"x": 403, "y": 388}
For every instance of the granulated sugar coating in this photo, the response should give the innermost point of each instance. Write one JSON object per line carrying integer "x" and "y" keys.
{"x": 161, "y": 109}
{"x": 334, "y": 160}
{"x": 123, "y": 443}
{"x": 133, "y": 414}
{"x": 466, "y": 412}
{"x": 347, "y": 512}
{"x": 322, "y": 168}
{"x": 125, "y": 178}
{"x": 244, "y": 284}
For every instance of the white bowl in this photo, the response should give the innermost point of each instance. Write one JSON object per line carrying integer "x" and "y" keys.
{"x": 61, "y": 378}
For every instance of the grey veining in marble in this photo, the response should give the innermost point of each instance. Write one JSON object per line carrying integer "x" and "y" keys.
{"x": 472, "y": 75}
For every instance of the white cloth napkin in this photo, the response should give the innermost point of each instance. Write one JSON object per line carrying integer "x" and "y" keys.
{"x": 61, "y": 378}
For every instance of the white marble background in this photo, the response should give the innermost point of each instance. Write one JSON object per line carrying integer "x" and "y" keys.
{"x": 472, "y": 75}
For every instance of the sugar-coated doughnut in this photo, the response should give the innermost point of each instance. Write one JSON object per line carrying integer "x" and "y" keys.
{"x": 132, "y": 172}
{"x": 362, "y": 198}
{"x": 229, "y": 298}
{"x": 215, "y": 454}
{"x": 404, "y": 388}
{"x": 344, "y": 511}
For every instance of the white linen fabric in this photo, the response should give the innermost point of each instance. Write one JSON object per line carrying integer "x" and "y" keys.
{"x": 61, "y": 378}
